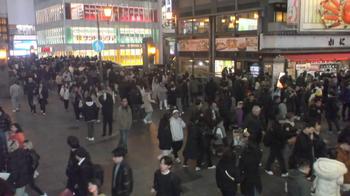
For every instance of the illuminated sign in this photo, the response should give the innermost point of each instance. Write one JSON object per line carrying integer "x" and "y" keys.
{"x": 87, "y": 35}
{"x": 133, "y": 35}
{"x": 24, "y": 45}
{"x": 324, "y": 15}
{"x": 194, "y": 45}
{"x": 24, "y": 37}
{"x": 3, "y": 54}
{"x": 237, "y": 44}
{"x": 246, "y": 24}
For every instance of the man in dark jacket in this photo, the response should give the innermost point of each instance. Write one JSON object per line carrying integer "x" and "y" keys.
{"x": 254, "y": 124}
{"x": 31, "y": 93}
{"x": 332, "y": 110}
{"x": 5, "y": 123}
{"x": 297, "y": 183}
{"x": 19, "y": 168}
{"x": 106, "y": 100}
{"x": 84, "y": 172}
{"x": 90, "y": 112}
{"x": 122, "y": 179}
{"x": 210, "y": 90}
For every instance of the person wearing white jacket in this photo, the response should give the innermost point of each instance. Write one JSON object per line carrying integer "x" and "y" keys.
{"x": 329, "y": 176}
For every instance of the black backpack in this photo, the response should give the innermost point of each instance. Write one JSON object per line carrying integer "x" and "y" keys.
{"x": 97, "y": 172}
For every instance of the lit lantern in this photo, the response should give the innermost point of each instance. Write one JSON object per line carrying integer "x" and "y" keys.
{"x": 107, "y": 12}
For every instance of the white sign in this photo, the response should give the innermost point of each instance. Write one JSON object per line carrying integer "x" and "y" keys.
{"x": 24, "y": 37}
{"x": 299, "y": 42}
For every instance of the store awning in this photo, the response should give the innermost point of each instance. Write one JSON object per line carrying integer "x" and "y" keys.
{"x": 318, "y": 57}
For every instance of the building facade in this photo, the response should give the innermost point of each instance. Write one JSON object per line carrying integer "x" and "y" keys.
{"x": 4, "y": 36}
{"x": 261, "y": 36}
{"x": 70, "y": 27}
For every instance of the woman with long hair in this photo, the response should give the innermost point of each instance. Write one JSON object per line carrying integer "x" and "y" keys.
{"x": 17, "y": 134}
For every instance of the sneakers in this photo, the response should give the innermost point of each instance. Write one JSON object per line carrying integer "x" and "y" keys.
{"x": 91, "y": 139}
{"x": 198, "y": 169}
{"x": 269, "y": 172}
{"x": 285, "y": 175}
{"x": 177, "y": 160}
{"x": 212, "y": 167}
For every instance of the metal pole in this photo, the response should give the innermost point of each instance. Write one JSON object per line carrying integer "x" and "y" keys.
{"x": 99, "y": 38}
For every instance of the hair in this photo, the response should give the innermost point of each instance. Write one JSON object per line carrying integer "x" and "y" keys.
{"x": 18, "y": 127}
{"x": 119, "y": 152}
{"x": 73, "y": 142}
{"x": 228, "y": 155}
{"x": 167, "y": 160}
{"x": 98, "y": 183}
{"x": 311, "y": 123}
{"x": 256, "y": 108}
{"x": 302, "y": 163}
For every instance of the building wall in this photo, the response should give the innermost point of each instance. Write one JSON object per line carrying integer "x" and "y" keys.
{"x": 3, "y": 8}
{"x": 26, "y": 10}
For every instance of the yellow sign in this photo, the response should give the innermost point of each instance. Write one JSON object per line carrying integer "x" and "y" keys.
{"x": 3, "y": 54}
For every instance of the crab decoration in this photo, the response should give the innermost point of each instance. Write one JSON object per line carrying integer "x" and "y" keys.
{"x": 335, "y": 13}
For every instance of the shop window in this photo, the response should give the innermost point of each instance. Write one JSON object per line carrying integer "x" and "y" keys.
{"x": 194, "y": 26}
{"x": 221, "y": 64}
{"x": 226, "y": 23}
{"x": 247, "y": 21}
{"x": 280, "y": 16}
{"x": 200, "y": 67}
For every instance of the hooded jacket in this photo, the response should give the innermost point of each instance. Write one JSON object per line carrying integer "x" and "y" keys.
{"x": 329, "y": 176}
{"x": 297, "y": 184}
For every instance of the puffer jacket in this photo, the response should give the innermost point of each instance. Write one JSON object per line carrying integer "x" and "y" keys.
{"x": 329, "y": 176}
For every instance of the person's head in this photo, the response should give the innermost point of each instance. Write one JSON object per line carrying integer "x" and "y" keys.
{"x": 28, "y": 145}
{"x": 311, "y": 126}
{"x": 118, "y": 155}
{"x": 344, "y": 140}
{"x": 88, "y": 99}
{"x": 240, "y": 104}
{"x": 213, "y": 106}
{"x": 176, "y": 113}
{"x": 94, "y": 186}
{"x": 30, "y": 79}
{"x": 16, "y": 128}
{"x": 73, "y": 142}
{"x": 303, "y": 165}
{"x": 80, "y": 154}
{"x": 124, "y": 102}
{"x": 166, "y": 163}
{"x": 256, "y": 110}
{"x": 228, "y": 156}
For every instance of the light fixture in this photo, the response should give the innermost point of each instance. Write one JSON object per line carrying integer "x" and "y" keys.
{"x": 231, "y": 25}
{"x": 200, "y": 63}
{"x": 256, "y": 15}
{"x": 3, "y": 54}
{"x": 223, "y": 20}
{"x": 107, "y": 11}
{"x": 169, "y": 15}
{"x": 232, "y": 18}
{"x": 201, "y": 24}
{"x": 206, "y": 20}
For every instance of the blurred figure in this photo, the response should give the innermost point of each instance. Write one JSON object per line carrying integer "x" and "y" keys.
{"x": 227, "y": 174}
{"x": 297, "y": 183}
{"x": 124, "y": 115}
{"x": 94, "y": 188}
{"x": 122, "y": 177}
{"x": 15, "y": 93}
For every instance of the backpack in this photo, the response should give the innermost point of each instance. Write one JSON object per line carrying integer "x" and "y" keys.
{"x": 97, "y": 172}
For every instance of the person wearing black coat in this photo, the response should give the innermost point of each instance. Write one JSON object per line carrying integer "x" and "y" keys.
{"x": 210, "y": 90}
{"x": 164, "y": 135}
{"x": 32, "y": 91}
{"x": 254, "y": 124}
{"x": 172, "y": 94}
{"x": 72, "y": 166}
{"x": 316, "y": 110}
{"x": 43, "y": 96}
{"x": 90, "y": 112}
{"x": 5, "y": 188}
{"x": 278, "y": 139}
{"x": 18, "y": 167}
{"x": 227, "y": 174}
{"x": 331, "y": 110}
{"x": 106, "y": 100}
{"x": 84, "y": 172}
{"x": 249, "y": 169}
{"x": 122, "y": 178}
{"x": 192, "y": 147}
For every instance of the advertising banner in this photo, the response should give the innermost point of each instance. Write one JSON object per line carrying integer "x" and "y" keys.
{"x": 194, "y": 45}
{"x": 237, "y": 44}
{"x": 86, "y": 35}
{"x": 324, "y": 15}
{"x": 293, "y": 12}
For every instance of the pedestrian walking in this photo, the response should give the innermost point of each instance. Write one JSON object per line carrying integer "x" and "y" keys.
{"x": 43, "y": 94}
{"x": 90, "y": 111}
{"x": 15, "y": 93}
{"x": 122, "y": 177}
{"x": 65, "y": 95}
{"x": 94, "y": 188}
{"x": 164, "y": 136}
{"x": 297, "y": 183}
{"x": 162, "y": 96}
{"x": 107, "y": 103}
{"x": 147, "y": 105}
{"x": 16, "y": 134}
{"x": 227, "y": 174}
{"x": 165, "y": 182}
{"x": 84, "y": 172}
{"x": 32, "y": 93}
{"x": 124, "y": 115}
{"x": 177, "y": 126}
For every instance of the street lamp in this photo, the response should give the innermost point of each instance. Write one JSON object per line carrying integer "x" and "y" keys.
{"x": 108, "y": 13}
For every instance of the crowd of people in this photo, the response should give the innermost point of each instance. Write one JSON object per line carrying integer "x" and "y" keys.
{"x": 220, "y": 123}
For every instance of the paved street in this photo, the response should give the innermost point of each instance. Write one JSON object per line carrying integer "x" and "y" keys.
{"x": 49, "y": 136}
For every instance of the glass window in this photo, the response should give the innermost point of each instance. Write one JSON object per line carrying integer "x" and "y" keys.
{"x": 201, "y": 25}
{"x": 226, "y": 23}
{"x": 248, "y": 21}
{"x": 280, "y": 16}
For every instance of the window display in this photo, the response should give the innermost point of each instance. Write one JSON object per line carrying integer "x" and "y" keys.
{"x": 221, "y": 64}
{"x": 226, "y": 23}
{"x": 194, "y": 26}
{"x": 248, "y": 21}
{"x": 135, "y": 35}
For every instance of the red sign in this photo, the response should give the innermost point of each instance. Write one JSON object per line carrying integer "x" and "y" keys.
{"x": 46, "y": 49}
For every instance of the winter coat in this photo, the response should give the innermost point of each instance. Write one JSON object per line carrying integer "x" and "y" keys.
{"x": 254, "y": 126}
{"x": 344, "y": 157}
{"x": 297, "y": 184}
{"x": 227, "y": 175}
{"x": 345, "y": 95}
{"x": 162, "y": 92}
{"x": 331, "y": 108}
{"x": 172, "y": 96}
{"x": 124, "y": 117}
{"x": 122, "y": 184}
{"x": 107, "y": 105}
{"x": 249, "y": 169}
{"x": 329, "y": 176}
{"x": 64, "y": 92}
{"x": 192, "y": 147}
{"x": 164, "y": 134}
{"x": 90, "y": 111}
{"x": 147, "y": 102}
{"x": 43, "y": 94}
{"x": 15, "y": 90}
{"x": 19, "y": 169}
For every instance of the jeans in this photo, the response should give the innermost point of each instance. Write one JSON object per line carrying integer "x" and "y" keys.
{"x": 148, "y": 116}
{"x": 163, "y": 102}
{"x": 123, "y": 138}
{"x": 42, "y": 105}
{"x": 31, "y": 104}
{"x": 276, "y": 154}
{"x": 15, "y": 103}
{"x": 90, "y": 128}
{"x": 179, "y": 104}
{"x": 21, "y": 191}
